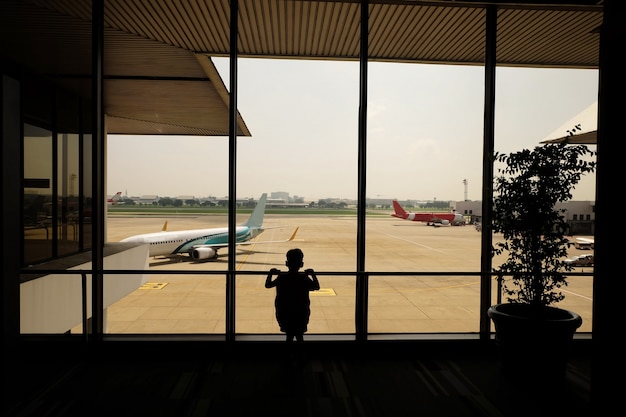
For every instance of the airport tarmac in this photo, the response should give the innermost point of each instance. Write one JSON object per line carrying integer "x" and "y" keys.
{"x": 171, "y": 303}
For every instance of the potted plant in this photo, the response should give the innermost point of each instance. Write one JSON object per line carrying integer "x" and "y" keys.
{"x": 532, "y": 334}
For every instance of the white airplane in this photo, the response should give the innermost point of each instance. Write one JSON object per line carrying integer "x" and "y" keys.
{"x": 201, "y": 244}
{"x": 584, "y": 243}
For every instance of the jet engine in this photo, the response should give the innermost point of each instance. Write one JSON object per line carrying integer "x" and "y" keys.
{"x": 459, "y": 220}
{"x": 203, "y": 253}
{"x": 439, "y": 222}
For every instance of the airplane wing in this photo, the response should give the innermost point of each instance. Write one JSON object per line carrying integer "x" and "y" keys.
{"x": 584, "y": 243}
{"x": 254, "y": 242}
{"x": 585, "y": 240}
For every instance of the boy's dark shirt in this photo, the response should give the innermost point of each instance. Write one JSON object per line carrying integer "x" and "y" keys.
{"x": 292, "y": 301}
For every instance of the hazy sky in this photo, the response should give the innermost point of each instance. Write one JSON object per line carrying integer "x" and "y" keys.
{"x": 425, "y": 132}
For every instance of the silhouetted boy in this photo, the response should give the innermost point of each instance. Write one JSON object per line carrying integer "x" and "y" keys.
{"x": 292, "y": 303}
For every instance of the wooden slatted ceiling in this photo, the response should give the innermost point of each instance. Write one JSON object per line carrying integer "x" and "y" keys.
{"x": 407, "y": 31}
{"x": 427, "y": 34}
{"x": 548, "y": 38}
{"x": 159, "y": 40}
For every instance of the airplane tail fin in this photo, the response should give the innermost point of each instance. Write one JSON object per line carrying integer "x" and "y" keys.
{"x": 256, "y": 218}
{"x": 116, "y": 198}
{"x": 398, "y": 211}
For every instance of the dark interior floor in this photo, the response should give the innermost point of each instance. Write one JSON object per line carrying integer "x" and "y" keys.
{"x": 264, "y": 379}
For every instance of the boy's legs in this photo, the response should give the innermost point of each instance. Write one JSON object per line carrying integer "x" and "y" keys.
{"x": 295, "y": 348}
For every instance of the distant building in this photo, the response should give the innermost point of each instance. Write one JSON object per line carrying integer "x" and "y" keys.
{"x": 279, "y": 195}
{"x": 471, "y": 210}
{"x": 580, "y": 215}
{"x": 147, "y": 199}
{"x": 185, "y": 197}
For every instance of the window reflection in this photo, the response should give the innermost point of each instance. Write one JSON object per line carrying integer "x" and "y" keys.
{"x": 68, "y": 212}
{"x": 38, "y": 207}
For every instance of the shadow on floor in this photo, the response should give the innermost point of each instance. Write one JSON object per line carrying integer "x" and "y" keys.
{"x": 263, "y": 379}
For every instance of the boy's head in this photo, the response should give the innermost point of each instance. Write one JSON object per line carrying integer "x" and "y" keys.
{"x": 294, "y": 258}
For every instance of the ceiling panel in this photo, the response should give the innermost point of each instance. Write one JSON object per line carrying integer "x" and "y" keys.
{"x": 157, "y": 53}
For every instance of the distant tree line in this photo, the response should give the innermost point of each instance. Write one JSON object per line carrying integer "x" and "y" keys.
{"x": 439, "y": 205}
{"x": 321, "y": 203}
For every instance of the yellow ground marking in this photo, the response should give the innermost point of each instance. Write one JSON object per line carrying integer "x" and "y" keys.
{"x": 153, "y": 286}
{"x": 323, "y": 292}
{"x": 245, "y": 258}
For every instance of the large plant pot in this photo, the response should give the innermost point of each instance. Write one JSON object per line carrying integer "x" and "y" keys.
{"x": 534, "y": 343}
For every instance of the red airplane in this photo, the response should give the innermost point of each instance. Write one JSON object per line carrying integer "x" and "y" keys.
{"x": 431, "y": 219}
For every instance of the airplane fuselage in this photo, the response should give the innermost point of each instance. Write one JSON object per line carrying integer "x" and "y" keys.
{"x": 203, "y": 244}
{"x": 434, "y": 219}
{"x": 427, "y": 217}
{"x": 178, "y": 242}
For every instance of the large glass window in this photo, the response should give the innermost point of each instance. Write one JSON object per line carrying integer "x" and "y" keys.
{"x": 54, "y": 209}
{"x": 424, "y": 147}
{"x": 303, "y": 152}
{"x": 534, "y": 105}
{"x": 68, "y": 177}
{"x": 39, "y": 207}
{"x": 86, "y": 185}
